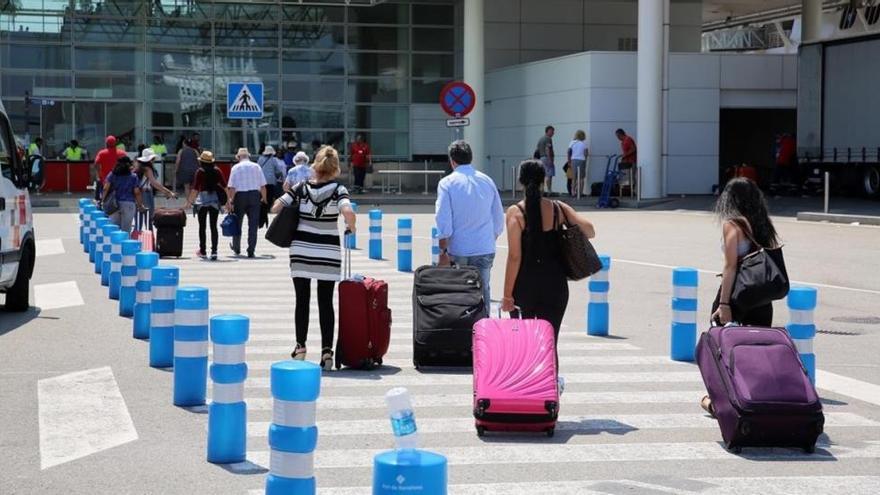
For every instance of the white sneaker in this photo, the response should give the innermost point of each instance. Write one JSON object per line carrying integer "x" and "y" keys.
{"x": 560, "y": 384}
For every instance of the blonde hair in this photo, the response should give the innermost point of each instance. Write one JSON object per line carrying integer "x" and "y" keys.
{"x": 580, "y": 135}
{"x": 326, "y": 163}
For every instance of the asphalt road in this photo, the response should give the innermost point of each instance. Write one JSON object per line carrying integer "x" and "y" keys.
{"x": 630, "y": 420}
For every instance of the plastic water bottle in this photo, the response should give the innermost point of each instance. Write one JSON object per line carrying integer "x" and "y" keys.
{"x": 403, "y": 419}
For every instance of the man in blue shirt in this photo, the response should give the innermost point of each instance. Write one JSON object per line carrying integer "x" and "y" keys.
{"x": 469, "y": 216}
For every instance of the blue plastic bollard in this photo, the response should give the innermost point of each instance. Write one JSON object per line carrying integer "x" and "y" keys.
{"x": 85, "y": 219}
{"x": 404, "y": 244}
{"x": 351, "y": 240}
{"x": 801, "y": 325}
{"x": 144, "y": 261}
{"x": 107, "y": 251}
{"x": 435, "y": 246}
{"x": 409, "y": 471}
{"x": 597, "y": 309}
{"x": 190, "y": 346}
{"x": 227, "y": 414}
{"x": 163, "y": 289}
{"x": 128, "y": 277}
{"x": 93, "y": 232}
{"x": 293, "y": 435}
{"x": 98, "y": 256}
{"x": 115, "y": 277}
{"x": 683, "y": 338}
{"x": 375, "y": 234}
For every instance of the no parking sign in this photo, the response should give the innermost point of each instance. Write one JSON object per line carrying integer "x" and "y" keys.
{"x": 457, "y": 99}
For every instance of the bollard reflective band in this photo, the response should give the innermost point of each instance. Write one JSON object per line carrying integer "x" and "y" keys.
{"x": 142, "y": 297}
{"x": 294, "y": 414}
{"x": 191, "y": 317}
{"x": 115, "y": 266}
{"x": 404, "y": 246}
{"x": 190, "y": 349}
{"x": 128, "y": 260}
{"x": 164, "y": 292}
{"x": 228, "y": 393}
{"x": 684, "y": 292}
{"x": 115, "y": 248}
{"x": 598, "y": 297}
{"x": 162, "y": 320}
{"x": 684, "y": 317}
{"x": 229, "y": 354}
{"x": 803, "y": 346}
{"x": 800, "y": 316}
{"x": 291, "y": 465}
{"x": 375, "y": 236}
{"x": 404, "y": 232}
{"x": 600, "y": 276}
{"x": 129, "y": 280}
{"x": 145, "y": 274}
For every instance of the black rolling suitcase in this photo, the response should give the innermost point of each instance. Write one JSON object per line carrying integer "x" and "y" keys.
{"x": 447, "y": 302}
{"x": 169, "y": 223}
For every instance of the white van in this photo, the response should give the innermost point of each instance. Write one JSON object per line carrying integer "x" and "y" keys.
{"x": 17, "y": 248}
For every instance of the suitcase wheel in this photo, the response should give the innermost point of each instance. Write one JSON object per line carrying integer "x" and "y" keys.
{"x": 736, "y": 450}
{"x": 481, "y": 431}
{"x": 338, "y": 358}
{"x": 551, "y": 432}
{"x": 810, "y": 449}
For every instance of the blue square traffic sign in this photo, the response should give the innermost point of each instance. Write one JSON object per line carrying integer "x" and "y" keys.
{"x": 244, "y": 100}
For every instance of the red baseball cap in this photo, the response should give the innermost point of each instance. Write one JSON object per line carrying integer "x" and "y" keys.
{"x": 110, "y": 141}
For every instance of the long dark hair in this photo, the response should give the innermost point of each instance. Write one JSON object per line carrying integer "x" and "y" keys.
{"x": 212, "y": 175}
{"x": 743, "y": 200}
{"x": 531, "y": 176}
{"x": 123, "y": 166}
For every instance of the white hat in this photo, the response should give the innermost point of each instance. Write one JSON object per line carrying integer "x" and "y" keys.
{"x": 243, "y": 153}
{"x": 269, "y": 150}
{"x": 147, "y": 155}
{"x": 300, "y": 157}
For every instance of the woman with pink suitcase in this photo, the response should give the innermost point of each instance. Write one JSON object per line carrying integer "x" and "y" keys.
{"x": 516, "y": 382}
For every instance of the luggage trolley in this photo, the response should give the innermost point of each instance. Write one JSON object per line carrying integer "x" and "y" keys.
{"x": 612, "y": 177}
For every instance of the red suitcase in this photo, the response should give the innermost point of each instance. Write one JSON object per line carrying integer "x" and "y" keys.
{"x": 364, "y": 320}
{"x": 515, "y": 376}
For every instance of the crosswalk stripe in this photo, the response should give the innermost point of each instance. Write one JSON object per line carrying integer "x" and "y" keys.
{"x": 58, "y": 295}
{"x": 576, "y": 424}
{"x": 564, "y": 361}
{"x": 402, "y": 348}
{"x": 48, "y": 247}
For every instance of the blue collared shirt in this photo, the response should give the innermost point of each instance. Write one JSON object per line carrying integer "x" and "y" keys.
{"x": 469, "y": 212}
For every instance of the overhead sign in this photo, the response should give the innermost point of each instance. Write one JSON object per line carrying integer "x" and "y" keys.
{"x": 244, "y": 100}
{"x": 457, "y": 99}
{"x": 458, "y": 122}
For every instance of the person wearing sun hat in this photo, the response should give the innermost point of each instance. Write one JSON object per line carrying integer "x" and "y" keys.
{"x": 146, "y": 174}
{"x": 209, "y": 194}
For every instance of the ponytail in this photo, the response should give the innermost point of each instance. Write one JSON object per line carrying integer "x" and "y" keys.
{"x": 531, "y": 176}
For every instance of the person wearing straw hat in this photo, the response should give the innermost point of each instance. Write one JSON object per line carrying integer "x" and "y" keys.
{"x": 247, "y": 191}
{"x": 208, "y": 193}
{"x": 274, "y": 170}
{"x": 146, "y": 174}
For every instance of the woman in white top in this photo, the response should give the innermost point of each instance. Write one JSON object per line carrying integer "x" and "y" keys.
{"x": 578, "y": 153}
{"x": 299, "y": 172}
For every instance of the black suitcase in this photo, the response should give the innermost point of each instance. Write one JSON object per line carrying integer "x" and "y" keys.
{"x": 447, "y": 302}
{"x": 169, "y": 223}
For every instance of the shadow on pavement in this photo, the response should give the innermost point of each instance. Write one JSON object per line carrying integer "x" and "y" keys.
{"x": 245, "y": 468}
{"x": 13, "y": 320}
{"x": 375, "y": 374}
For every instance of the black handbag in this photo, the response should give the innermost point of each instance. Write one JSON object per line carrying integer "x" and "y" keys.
{"x": 761, "y": 277}
{"x": 283, "y": 227}
{"x": 578, "y": 254}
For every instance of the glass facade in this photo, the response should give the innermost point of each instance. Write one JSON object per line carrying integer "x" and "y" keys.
{"x": 142, "y": 68}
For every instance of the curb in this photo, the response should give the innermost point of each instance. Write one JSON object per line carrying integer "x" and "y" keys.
{"x": 805, "y": 216}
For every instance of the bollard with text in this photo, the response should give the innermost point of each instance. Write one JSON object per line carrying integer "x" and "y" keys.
{"x": 683, "y": 338}
{"x": 227, "y": 414}
{"x": 404, "y": 244}
{"x": 163, "y": 290}
{"x": 115, "y": 277}
{"x": 801, "y": 326}
{"x": 128, "y": 277}
{"x": 597, "y": 309}
{"x": 190, "y": 346}
{"x": 409, "y": 471}
{"x": 141, "y": 322}
{"x": 375, "y": 234}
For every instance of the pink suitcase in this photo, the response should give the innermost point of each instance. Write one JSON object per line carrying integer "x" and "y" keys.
{"x": 515, "y": 376}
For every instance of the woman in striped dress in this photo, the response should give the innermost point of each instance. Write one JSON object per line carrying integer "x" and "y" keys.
{"x": 315, "y": 252}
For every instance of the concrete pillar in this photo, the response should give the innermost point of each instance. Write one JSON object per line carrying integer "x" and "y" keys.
{"x": 649, "y": 127}
{"x": 474, "y": 74}
{"x": 811, "y": 20}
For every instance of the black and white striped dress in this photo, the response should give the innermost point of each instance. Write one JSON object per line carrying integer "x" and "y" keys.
{"x": 315, "y": 252}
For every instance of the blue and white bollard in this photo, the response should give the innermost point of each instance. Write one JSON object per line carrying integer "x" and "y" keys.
{"x": 98, "y": 257}
{"x": 293, "y": 435}
{"x": 351, "y": 240}
{"x": 227, "y": 414}
{"x": 145, "y": 262}
{"x": 801, "y": 324}
{"x": 85, "y": 219}
{"x": 409, "y": 471}
{"x": 375, "y": 234}
{"x": 128, "y": 277}
{"x": 190, "y": 346}
{"x": 404, "y": 244}
{"x": 115, "y": 277}
{"x": 435, "y": 246}
{"x": 683, "y": 339}
{"x": 163, "y": 290}
{"x": 107, "y": 251}
{"x": 597, "y": 309}
{"x": 81, "y": 204}
{"x": 92, "y": 233}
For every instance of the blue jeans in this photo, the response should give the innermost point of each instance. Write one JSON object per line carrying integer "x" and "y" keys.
{"x": 483, "y": 263}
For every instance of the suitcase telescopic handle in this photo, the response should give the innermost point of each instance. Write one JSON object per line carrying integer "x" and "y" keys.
{"x": 347, "y": 246}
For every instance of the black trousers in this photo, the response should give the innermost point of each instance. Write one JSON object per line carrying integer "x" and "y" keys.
{"x": 360, "y": 173}
{"x": 247, "y": 203}
{"x": 206, "y": 213}
{"x": 762, "y": 316}
{"x": 326, "y": 314}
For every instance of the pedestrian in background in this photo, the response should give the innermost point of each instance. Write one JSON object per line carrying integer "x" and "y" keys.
{"x": 300, "y": 172}
{"x": 148, "y": 184}
{"x": 361, "y": 159}
{"x": 208, "y": 194}
{"x": 628, "y": 157}
{"x": 546, "y": 154}
{"x": 159, "y": 147}
{"x": 123, "y": 183}
{"x": 105, "y": 162}
{"x": 73, "y": 152}
{"x": 469, "y": 216}
{"x": 578, "y": 154}
{"x": 247, "y": 191}
{"x": 745, "y": 228}
{"x": 185, "y": 167}
{"x": 274, "y": 171}
{"x": 315, "y": 252}
{"x": 288, "y": 156}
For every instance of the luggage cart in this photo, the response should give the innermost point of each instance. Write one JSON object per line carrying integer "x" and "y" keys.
{"x": 612, "y": 177}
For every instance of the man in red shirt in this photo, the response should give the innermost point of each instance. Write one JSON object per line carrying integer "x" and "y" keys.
{"x": 361, "y": 160}
{"x": 627, "y": 155}
{"x": 105, "y": 161}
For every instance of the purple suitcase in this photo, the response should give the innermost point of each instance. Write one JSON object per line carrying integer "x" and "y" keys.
{"x": 759, "y": 388}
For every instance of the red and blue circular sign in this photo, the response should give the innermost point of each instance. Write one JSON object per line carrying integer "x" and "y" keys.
{"x": 457, "y": 99}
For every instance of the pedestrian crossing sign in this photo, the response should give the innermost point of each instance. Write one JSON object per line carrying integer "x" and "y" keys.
{"x": 244, "y": 100}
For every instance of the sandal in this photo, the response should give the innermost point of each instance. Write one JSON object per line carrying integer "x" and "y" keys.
{"x": 299, "y": 352}
{"x": 327, "y": 359}
{"x": 706, "y": 404}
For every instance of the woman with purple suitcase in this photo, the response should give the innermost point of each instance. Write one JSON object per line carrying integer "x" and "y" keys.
{"x": 745, "y": 228}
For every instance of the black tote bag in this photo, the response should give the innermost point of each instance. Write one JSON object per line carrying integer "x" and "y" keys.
{"x": 761, "y": 277}
{"x": 283, "y": 227}
{"x": 578, "y": 255}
